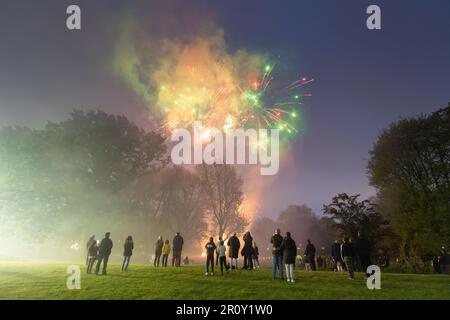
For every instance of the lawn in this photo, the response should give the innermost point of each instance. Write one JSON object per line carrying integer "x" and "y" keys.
{"x": 25, "y": 280}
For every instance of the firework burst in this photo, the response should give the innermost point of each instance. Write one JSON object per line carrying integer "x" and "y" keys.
{"x": 251, "y": 104}
{"x": 264, "y": 107}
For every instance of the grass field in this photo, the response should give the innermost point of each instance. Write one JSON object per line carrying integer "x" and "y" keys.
{"x": 24, "y": 280}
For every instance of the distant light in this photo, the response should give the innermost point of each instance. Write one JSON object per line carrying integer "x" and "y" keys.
{"x": 267, "y": 68}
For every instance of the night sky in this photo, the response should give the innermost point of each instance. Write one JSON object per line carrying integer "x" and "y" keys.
{"x": 364, "y": 79}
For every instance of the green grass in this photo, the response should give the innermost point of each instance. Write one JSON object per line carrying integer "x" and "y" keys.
{"x": 24, "y": 280}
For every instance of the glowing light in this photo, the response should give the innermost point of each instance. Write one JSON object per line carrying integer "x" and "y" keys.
{"x": 75, "y": 246}
{"x": 201, "y": 80}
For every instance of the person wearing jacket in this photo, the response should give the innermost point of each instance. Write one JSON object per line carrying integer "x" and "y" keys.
{"x": 277, "y": 254}
{"x": 443, "y": 260}
{"x": 104, "y": 250}
{"x": 233, "y": 252}
{"x": 217, "y": 253}
{"x": 177, "y": 248}
{"x": 355, "y": 254}
{"x": 363, "y": 250}
{"x": 247, "y": 251}
{"x": 165, "y": 253}
{"x": 255, "y": 256}
{"x": 289, "y": 249}
{"x": 92, "y": 255}
{"x": 210, "y": 249}
{"x": 88, "y": 245}
{"x": 336, "y": 255}
{"x": 310, "y": 254}
{"x": 158, "y": 250}
{"x": 221, "y": 252}
{"x": 128, "y": 247}
{"x": 347, "y": 254}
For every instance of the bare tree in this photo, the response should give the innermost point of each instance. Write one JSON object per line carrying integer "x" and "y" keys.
{"x": 222, "y": 197}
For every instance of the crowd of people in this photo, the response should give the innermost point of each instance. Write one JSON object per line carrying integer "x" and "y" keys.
{"x": 350, "y": 255}
{"x": 346, "y": 255}
{"x": 98, "y": 252}
{"x": 249, "y": 252}
{"x": 284, "y": 253}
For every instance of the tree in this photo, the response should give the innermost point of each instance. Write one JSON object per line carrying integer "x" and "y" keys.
{"x": 179, "y": 204}
{"x": 66, "y": 177}
{"x": 301, "y": 222}
{"x": 352, "y": 216}
{"x": 262, "y": 229}
{"x": 410, "y": 168}
{"x": 222, "y": 197}
{"x": 304, "y": 224}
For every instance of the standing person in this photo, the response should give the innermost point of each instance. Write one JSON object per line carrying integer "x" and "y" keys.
{"x": 277, "y": 254}
{"x": 233, "y": 253}
{"x": 310, "y": 253}
{"x": 435, "y": 263}
{"x": 217, "y": 253}
{"x": 158, "y": 251}
{"x": 347, "y": 254}
{"x": 92, "y": 255}
{"x": 165, "y": 253}
{"x": 363, "y": 248}
{"x": 289, "y": 249}
{"x": 210, "y": 249}
{"x": 88, "y": 245}
{"x": 247, "y": 250}
{"x": 221, "y": 252}
{"x": 336, "y": 255}
{"x": 104, "y": 250}
{"x": 443, "y": 260}
{"x": 307, "y": 262}
{"x": 355, "y": 254}
{"x": 255, "y": 256}
{"x": 177, "y": 247}
{"x": 128, "y": 247}
{"x": 299, "y": 260}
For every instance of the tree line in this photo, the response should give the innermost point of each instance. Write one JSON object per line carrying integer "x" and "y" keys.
{"x": 99, "y": 170}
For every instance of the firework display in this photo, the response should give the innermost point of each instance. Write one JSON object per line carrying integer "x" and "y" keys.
{"x": 201, "y": 80}
{"x": 232, "y": 105}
